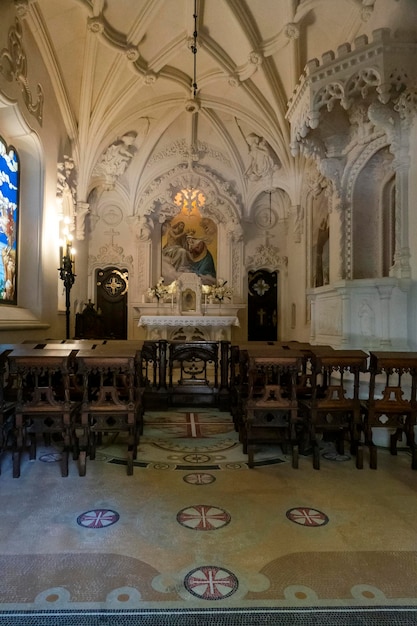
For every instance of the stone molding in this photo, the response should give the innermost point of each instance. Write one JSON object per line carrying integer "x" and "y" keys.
{"x": 13, "y": 66}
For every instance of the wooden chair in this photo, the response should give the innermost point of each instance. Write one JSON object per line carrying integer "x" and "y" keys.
{"x": 7, "y": 402}
{"x": 271, "y": 409}
{"x": 43, "y": 403}
{"x": 395, "y": 407}
{"x": 196, "y": 364}
{"x": 335, "y": 409}
{"x": 111, "y": 401}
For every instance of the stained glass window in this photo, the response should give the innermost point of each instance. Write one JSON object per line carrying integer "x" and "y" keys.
{"x": 9, "y": 204}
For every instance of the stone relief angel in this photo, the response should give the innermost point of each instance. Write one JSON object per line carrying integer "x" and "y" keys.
{"x": 263, "y": 161}
{"x": 115, "y": 160}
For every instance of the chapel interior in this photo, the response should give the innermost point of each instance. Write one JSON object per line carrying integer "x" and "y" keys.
{"x": 208, "y": 213}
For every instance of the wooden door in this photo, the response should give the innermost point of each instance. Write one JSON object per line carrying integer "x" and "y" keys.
{"x": 262, "y": 305}
{"x": 111, "y": 299}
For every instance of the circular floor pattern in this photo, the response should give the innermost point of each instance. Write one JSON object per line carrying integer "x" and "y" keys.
{"x": 307, "y": 517}
{"x": 203, "y": 517}
{"x": 98, "y": 518}
{"x": 199, "y": 478}
{"x": 50, "y": 457}
{"x": 196, "y": 457}
{"x": 210, "y": 582}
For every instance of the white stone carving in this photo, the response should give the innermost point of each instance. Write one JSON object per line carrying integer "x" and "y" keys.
{"x": 222, "y": 204}
{"x": 266, "y": 256}
{"x": 116, "y": 159}
{"x": 13, "y": 66}
{"x": 110, "y": 254}
{"x": 384, "y": 65}
{"x": 263, "y": 160}
{"x": 292, "y": 31}
{"x": 81, "y": 213}
{"x": 66, "y": 191}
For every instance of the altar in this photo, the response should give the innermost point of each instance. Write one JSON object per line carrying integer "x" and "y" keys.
{"x": 186, "y": 312}
{"x": 188, "y": 327}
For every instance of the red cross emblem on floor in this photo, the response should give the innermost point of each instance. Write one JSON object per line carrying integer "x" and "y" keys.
{"x": 211, "y": 583}
{"x": 98, "y": 518}
{"x": 307, "y": 517}
{"x": 203, "y": 517}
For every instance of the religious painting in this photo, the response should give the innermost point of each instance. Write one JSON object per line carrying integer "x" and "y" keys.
{"x": 9, "y": 207}
{"x": 262, "y": 305}
{"x": 189, "y": 244}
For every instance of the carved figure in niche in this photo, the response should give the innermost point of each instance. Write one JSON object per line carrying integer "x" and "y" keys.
{"x": 367, "y": 318}
{"x": 67, "y": 187}
{"x": 322, "y": 253}
{"x": 189, "y": 244}
{"x": 320, "y": 230}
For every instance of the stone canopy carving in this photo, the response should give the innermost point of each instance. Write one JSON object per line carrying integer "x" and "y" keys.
{"x": 385, "y": 65}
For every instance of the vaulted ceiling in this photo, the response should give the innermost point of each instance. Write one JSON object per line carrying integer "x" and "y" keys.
{"x": 128, "y": 65}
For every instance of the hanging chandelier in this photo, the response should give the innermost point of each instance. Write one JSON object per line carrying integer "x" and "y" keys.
{"x": 191, "y": 200}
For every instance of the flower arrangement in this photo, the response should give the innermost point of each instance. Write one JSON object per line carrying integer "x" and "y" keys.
{"x": 220, "y": 290}
{"x": 161, "y": 290}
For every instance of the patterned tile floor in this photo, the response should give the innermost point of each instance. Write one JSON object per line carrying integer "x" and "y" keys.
{"x": 194, "y": 528}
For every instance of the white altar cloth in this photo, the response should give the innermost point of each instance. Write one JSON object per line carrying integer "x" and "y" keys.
{"x": 214, "y": 327}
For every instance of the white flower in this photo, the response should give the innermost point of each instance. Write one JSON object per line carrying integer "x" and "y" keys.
{"x": 220, "y": 291}
{"x": 160, "y": 290}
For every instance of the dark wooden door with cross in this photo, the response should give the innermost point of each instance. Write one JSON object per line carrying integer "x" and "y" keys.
{"x": 112, "y": 286}
{"x": 262, "y": 305}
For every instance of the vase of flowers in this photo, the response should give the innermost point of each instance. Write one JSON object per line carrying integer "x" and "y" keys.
{"x": 220, "y": 292}
{"x": 159, "y": 292}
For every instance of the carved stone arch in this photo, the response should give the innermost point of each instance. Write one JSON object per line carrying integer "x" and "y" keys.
{"x": 16, "y": 132}
{"x": 316, "y": 199}
{"x": 270, "y": 207}
{"x": 371, "y": 167}
{"x": 221, "y": 203}
{"x": 108, "y": 255}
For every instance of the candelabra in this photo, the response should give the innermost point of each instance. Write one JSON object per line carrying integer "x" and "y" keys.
{"x": 67, "y": 275}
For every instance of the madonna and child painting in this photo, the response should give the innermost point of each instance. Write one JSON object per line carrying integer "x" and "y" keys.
{"x": 189, "y": 244}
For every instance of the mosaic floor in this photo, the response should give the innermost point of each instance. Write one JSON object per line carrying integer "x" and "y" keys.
{"x": 195, "y": 530}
